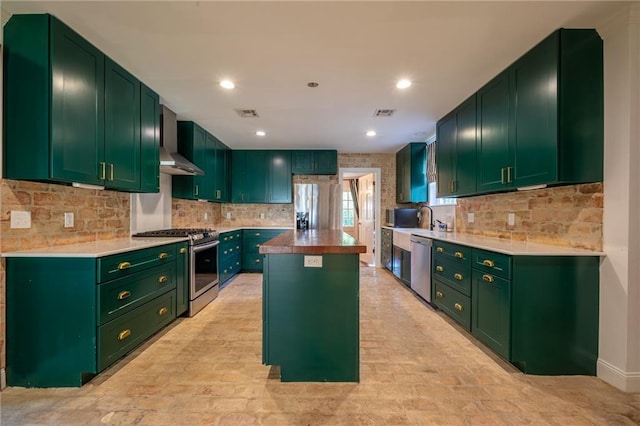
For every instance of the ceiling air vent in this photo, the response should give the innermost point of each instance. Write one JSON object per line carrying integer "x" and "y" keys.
{"x": 247, "y": 113}
{"x": 384, "y": 112}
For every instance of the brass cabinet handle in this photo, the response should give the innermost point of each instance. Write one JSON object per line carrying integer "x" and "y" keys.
{"x": 124, "y": 334}
{"x": 225, "y": 271}
{"x": 195, "y": 190}
{"x": 218, "y": 194}
{"x": 230, "y": 250}
{"x": 230, "y": 237}
{"x": 162, "y": 311}
{"x": 488, "y": 262}
{"x": 509, "y": 174}
{"x": 124, "y": 294}
{"x": 458, "y": 277}
{"x": 226, "y": 238}
{"x": 225, "y": 252}
{"x": 439, "y": 294}
{"x": 458, "y": 255}
{"x": 502, "y": 175}
{"x": 162, "y": 279}
{"x": 163, "y": 255}
{"x": 458, "y": 307}
{"x": 257, "y": 260}
{"x": 440, "y": 250}
{"x": 439, "y": 268}
{"x": 258, "y": 245}
{"x": 257, "y": 234}
{"x": 111, "y": 171}
{"x": 103, "y": 173}
{"x": 183, "y": 250}
{"x": 238, "y": 263}
{"x": 488, "y": 278}
{"x": 124, "y": 265}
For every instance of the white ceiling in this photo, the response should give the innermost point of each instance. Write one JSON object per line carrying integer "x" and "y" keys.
{"x": 356, "y": 51}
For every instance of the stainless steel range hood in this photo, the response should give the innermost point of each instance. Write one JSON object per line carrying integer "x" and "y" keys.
{"x": 171, "y": 162}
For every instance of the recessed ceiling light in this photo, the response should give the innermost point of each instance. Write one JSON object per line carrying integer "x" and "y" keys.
{"x": 371, "y": 133}
{"x": 312, "y": 84}
{"x": 403, "y": 84}
{"x": 261, "y": 133}
{"x": 227, "y": 84}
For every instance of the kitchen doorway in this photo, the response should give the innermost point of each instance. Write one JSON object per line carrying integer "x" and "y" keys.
{"x": 361, "y": 209}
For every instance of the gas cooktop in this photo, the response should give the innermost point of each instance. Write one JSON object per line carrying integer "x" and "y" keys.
{"x": 195, "y": 235}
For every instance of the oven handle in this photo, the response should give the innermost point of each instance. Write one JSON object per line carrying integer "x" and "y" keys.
{"x": 196, "y": 249}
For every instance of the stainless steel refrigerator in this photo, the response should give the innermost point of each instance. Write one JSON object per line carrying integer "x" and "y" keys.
{"x": 318, "y": 205}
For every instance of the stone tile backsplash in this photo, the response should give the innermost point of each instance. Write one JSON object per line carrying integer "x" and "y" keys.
{"x": 568, "y": 216}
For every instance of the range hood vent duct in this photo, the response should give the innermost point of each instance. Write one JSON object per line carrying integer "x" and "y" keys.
{"x": 171, "y": 162}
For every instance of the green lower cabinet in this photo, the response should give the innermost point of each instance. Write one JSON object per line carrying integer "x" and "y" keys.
{"x": 453, "y": 303}
{"x": 182, "y": 278}
{"x": 252, "y": 239}
{"x": 491, "y": 311}
{"x": 311, "y": 317}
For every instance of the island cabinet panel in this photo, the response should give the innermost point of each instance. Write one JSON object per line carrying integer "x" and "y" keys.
{"x": 311, "y": 317}
{"x": 66, "y": 321}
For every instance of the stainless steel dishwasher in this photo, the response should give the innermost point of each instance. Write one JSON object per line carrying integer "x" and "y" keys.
{"x": 421, "y": 266}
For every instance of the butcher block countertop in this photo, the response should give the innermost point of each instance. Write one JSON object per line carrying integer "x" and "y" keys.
{"x": 313, "y": 242}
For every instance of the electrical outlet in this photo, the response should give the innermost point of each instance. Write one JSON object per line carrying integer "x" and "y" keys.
{"x": 206, "y": 216}
{"x": 261, "y": 215}
{"x": 511, "y": 219}
{"x": 68, "y": 220}
{"x": 313, "y": 261}
{"x": 228, "y": 215}
{"x": 470, "y": 217}
{"x": 20, "y": 219}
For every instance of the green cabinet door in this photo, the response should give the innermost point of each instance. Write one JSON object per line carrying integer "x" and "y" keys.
{"x": 465, "y": 156}
{"x": 280, "y": 182}
{"x": 491, "y": 311}
{"x": 191, "y": 144}
{"x": 238, "y": 175}
{"x": 122, "y": 128}
{"x": 494, "y": 158}
{"x": 182, "y": 278}
{"x": 411, "y": 178}
{"x": 446, "y": 155}
{"x": 221, "y": 170}
{"x": 149, "y": 140}
{"x": 314, "y": 162}
{"x": 257, "y": 169}
{"x": 326, "y": 162}
{"x": 208, "y": 191}
{"x": 302, "y": 162}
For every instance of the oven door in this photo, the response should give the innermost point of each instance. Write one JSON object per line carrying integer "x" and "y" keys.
{"x": 204, "y": 268}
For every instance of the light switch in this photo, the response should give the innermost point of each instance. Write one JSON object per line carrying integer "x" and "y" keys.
{"x": 68, "y": 220}
{"x": 511, "y": 219}
{"x": 313, "y": 261}
{"x": 20, "y": 219}
{"x": 261, "y": 215}
{"x": 470, "y": 217}
{"x": 228, "y": 215}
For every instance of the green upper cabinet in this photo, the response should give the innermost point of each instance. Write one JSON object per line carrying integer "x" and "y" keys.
{"x": 149, "y": 140}
{"x": 221, "y": 181}
{"x": 88, "y": 109}
{"x": 261, "y": 176}
{"x": 314, "y": 162}
{"x": 541, "y": 120}
{"x": 456, "y": 151}
{"x": 122, "y": 127}
{"x": 411, "y": 178}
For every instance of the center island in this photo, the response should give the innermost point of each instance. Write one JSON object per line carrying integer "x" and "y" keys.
{"x": 310, "y": 306}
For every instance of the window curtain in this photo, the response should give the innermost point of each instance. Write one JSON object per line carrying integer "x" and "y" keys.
{"x": 431, "y": 162}
{"x": 353, "y": 186}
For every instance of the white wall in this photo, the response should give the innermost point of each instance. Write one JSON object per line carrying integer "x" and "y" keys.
{"x": 619, "y": 346}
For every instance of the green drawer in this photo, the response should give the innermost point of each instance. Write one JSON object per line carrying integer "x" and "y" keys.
{"x": 456, "y": 274}
{"x": 230, "y": 249}
{"x": 127, "y": 293}
{"x": 228, "y": 263}
{"x": 252, "y": 262}
{"x": 265, "y": 234}
{"x": 252, "y": 245}
{"x": 455, "y": 252}
{"x": 120, "y": 265}
{"x": 228, "y": 271}
{"x": 119, "y": 336}
{"x": 493, "y": 263}
{"x": 227, "y": 237}
{"x": 453, "y": 303}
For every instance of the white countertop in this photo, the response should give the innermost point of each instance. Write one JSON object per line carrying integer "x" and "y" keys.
{"x": 514, "y": 248}
{"x": 96, "y": 248}
{"x": 237, "y": 228}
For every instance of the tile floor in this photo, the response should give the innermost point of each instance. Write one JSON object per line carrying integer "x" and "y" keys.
{"x": 416, "y": 368}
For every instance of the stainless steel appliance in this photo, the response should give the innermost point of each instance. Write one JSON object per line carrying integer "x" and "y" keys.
{"x": 203, "y": 263}
{"x": 421, "y": 266}
{"x": 171, "y": 162}
{"x": 318, "y": 205}
{"x": 402, "y": 218}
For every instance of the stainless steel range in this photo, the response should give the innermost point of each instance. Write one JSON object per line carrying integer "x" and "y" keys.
{"x": 203, "y": 261}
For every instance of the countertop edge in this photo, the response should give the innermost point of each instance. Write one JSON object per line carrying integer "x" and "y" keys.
{"x": 293, "y": 243}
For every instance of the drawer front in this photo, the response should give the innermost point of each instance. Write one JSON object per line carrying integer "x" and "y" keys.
{"x": 230, "y": 249}
{"x": 252, "y": 245}
{"x": 454, "y": 252}
{"x": 453, "y": 303}
{"x": 119, "y": 336}
{"x": 231, "y": 269}
{"x": 230, "y": 264}
{"x": 453, "y": 273}
{"x": 127, "y": 293}
{"x": 252, "y": 262}
{"x": 229, "y": 237}
{"x": 261, "y": 234}
{"x": 494, "y": 263}
{"x": 123, "y": 264}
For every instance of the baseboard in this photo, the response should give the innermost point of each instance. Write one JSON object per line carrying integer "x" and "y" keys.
{"x": 627, "y": 382}
{"x": 3, "y": 379}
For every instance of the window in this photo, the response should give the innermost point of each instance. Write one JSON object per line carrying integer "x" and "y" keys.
{"x": 433, "y": 201}
{"x": 348, "y": 215}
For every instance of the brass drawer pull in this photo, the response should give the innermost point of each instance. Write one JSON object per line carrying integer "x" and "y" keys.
{"x": 257, "y": 234}
{"x": 183, "y": 250}
{"x": 230, "y": 250}
{"x": 162, "y": 311}
{"x": 257, "y": 245}
{"x": 237, "y": 263}
{"x": 163, "y": 255}
{"x": 257, "y": 260}
{"x": 230, "y": 237}
{"x": 487, "y": 278}
{"x": 225, "y": 252}
{"x": 225, "y": 271}
{"x": 162, "y": 279}
{"x": 124, "y": 265}
{"x": 458, "y": 277}
{"x": 458, "y": 255}
{"x": 439, "y": 294}
{"x": 124, "y": 294}
{"x": 439, "y": 268}
{"x": 488, "y": 263}
{"x": 458, "y": 307}
{"x": 124, "y": 334}
{"x": 440, "y": 250}
{"x": 226, "y": 238}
